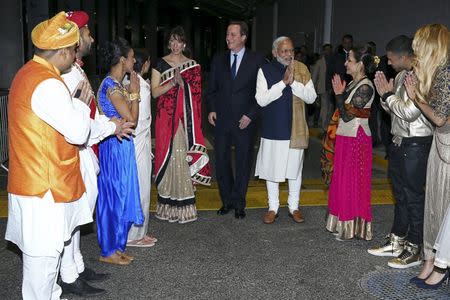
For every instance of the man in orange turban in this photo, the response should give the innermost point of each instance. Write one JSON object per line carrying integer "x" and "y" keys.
{"x": 44, "y": 181}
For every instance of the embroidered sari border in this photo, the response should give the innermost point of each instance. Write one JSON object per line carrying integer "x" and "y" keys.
{"x": 168, "y": 74}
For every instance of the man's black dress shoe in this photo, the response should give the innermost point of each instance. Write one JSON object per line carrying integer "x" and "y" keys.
{"x": 239, "y": 213}
{"x": 92, "y": 276}
{"x": 80, "y": 288}
{"x": 223, "y": 210}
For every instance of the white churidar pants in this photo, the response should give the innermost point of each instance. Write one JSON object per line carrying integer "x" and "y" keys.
{"x": 72, "y": 263}
{"x": 39, "y": 277}
{"x": 275, "y": 163}
{"x": 294, "y": 193}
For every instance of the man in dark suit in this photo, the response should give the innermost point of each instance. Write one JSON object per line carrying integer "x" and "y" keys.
{"x": 233, "y": 110}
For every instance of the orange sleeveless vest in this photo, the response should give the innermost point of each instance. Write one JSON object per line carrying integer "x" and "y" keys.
{"x": 40, "y": 159}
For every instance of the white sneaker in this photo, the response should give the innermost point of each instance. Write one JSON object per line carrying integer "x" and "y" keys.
{"x": 392, "y": 247}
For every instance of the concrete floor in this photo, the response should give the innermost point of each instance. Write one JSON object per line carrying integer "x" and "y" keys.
{"x": 224, "y": 258}
{"x": 219, "y": 257}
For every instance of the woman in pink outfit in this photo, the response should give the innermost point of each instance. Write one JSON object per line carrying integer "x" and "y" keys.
{"x": 349, "y": 195}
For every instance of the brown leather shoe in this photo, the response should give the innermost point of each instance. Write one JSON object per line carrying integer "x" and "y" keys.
{"x": 270, "y": 217}
{"x": 115, "y": 259}
{"x": 297, "y": 216}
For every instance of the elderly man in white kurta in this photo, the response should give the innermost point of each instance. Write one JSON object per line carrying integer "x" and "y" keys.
{"x": 44, "y": 180}
{"x": 283, "y": 86}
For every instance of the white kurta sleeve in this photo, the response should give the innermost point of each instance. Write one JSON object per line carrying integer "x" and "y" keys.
{"x": 305, "y": 92}
{"x": 101, "y": 128}
{"x": 72, "y": 79}
{"x": 264, "y": 96}
{"x": 52, "y": 103}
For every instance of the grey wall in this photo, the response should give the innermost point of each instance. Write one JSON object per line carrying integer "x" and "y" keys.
{"x": 379, "y": 21}
{"x": 301, "y": 20}
{"x": 386, "y": 19}
{"x": 264, "y": 28}
{"x": 11, "y": 46}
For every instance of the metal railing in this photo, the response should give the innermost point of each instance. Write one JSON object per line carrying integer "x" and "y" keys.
{"x": 3, "y": 130}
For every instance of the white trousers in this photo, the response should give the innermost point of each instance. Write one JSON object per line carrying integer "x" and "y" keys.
{"x": 39, "y": 277}
{"x": 72, "y": 263}
{"x": 442, "y": 244}
{"x": 143, "y": 150}
{"x": 273, "y": 191}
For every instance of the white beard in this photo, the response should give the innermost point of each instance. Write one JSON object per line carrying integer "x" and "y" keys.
{"x": 282, "y": 61}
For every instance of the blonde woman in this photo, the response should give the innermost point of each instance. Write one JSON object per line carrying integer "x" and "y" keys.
{"x": 429, "y": 87}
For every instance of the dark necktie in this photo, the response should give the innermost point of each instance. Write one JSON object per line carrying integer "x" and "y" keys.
{"x": 233, "y": 67}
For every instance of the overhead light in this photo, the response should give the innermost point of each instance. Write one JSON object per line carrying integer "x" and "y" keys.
{"x": 196, "y": 7}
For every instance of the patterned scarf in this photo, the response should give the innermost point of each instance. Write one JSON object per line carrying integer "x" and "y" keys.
{"x": 299, "y": 131}
{"x": 329, "y": 140}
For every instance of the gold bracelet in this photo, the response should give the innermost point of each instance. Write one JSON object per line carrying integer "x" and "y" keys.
{"x": 134, "y": 96}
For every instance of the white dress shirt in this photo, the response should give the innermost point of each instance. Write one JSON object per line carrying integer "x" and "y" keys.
{"x": 239, "y": 57}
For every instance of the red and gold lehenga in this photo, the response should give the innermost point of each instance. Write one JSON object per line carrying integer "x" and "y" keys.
{"x": 180, "y": 153}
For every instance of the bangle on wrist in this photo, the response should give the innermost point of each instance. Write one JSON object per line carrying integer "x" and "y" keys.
{"x": 134, "y": 96}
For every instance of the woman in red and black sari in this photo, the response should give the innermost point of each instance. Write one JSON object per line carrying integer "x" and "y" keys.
{"x": 180, "y": 153}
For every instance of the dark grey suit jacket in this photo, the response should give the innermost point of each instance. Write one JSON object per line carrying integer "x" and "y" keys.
{"x": 229, "y": 98}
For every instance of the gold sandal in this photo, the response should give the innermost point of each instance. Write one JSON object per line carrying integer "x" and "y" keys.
{"x": 115, "y": 259}
{"x": 125, "y": 256}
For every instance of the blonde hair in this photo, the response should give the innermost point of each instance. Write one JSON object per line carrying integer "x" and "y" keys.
{"x": 431, "y": 47}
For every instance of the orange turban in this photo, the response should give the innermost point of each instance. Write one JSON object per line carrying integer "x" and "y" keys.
{"x": 55, "y": 33}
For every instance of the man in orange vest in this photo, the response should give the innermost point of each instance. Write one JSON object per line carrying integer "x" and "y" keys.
{"x": 44, "y": 181}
